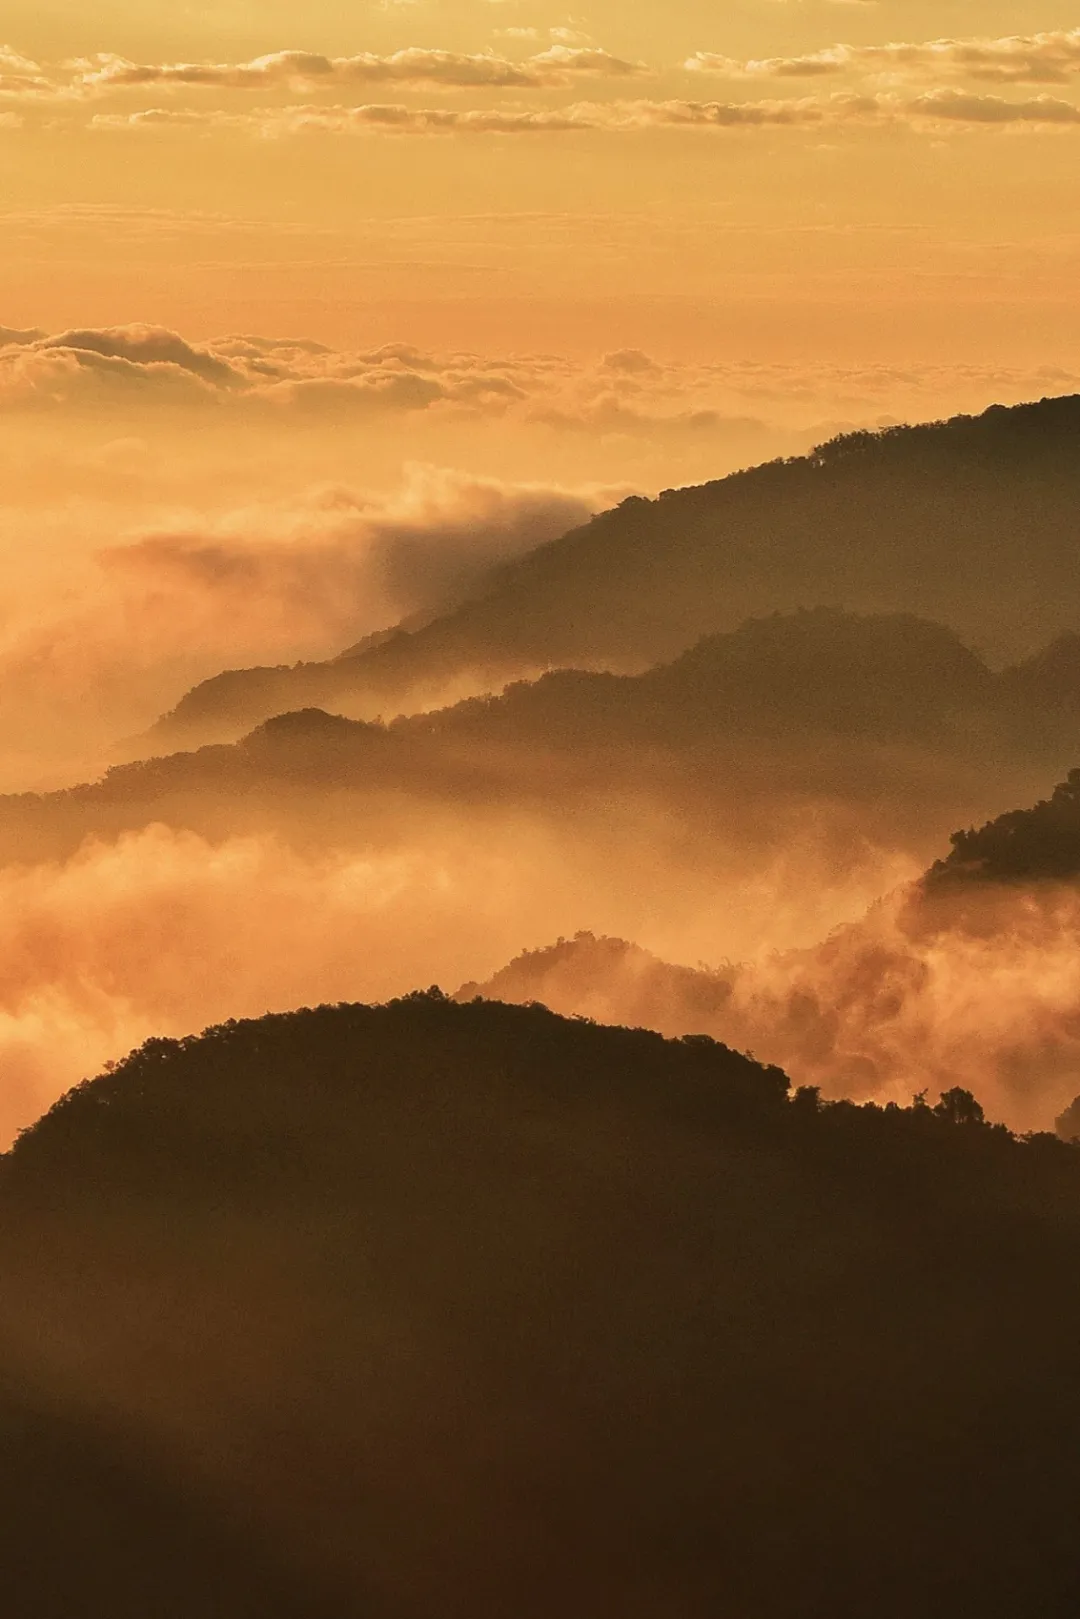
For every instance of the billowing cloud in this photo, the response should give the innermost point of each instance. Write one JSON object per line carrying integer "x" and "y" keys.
{"x": 164, "y": 932}
{"x": 980, "y": 989}
{"x": 140, "y": 345}
{"x": 266, "y": 380}
{"x": 12, "y": 337}
{"x": 138, "y": 620}
{"x": 81, "y": 369}
{"x": 941, "y": 65}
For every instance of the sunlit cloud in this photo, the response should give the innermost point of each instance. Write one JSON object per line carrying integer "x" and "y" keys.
{"x": 1044, "y": 58}
{"x": 934, "y": 109}
{"x": 563, "y": 61}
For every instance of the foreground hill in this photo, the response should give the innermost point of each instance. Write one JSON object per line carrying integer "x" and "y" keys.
{"x": 471, "y": 1311}
{"x": 880, "y": 730}
{"x": 971, "y": 522}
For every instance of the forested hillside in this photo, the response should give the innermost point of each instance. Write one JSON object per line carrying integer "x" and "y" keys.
{"x": 470, "y": 1310}
{"x": 970, "y": 522}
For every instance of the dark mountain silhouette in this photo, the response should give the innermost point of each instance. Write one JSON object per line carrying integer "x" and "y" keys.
{"x": 97, "y": 1525}
{"x": 891, "y": 714}
{"x": 970, "y": 521}
{"x": 478, "y": 1312}
{"x": 1022, "y": 846}
{"x": 1067, "y": 1124}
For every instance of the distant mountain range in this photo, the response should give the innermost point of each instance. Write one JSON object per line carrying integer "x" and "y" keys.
{"x": 433, "y": 1311}
{"x": 971, "y": 523}
{"x": 890, "y": 713}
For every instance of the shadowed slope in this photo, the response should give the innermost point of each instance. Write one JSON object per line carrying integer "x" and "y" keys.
{"x": 970, "y": 521}
{"x": 484, "y": 1312}
{"x": 95, "y": 1526}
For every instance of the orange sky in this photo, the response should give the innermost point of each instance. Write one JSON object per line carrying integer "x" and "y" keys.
{"x": 500, "y": 175}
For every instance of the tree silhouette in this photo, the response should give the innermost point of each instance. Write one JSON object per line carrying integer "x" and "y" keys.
{"x": 958, "y": 1106}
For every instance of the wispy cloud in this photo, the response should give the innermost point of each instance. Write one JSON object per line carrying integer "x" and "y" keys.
{"x": 1044, "y": 58}
{"x": 933, "y": 110}
{"x": 106, "y": 74}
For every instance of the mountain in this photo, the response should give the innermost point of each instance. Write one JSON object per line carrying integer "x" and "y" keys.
{"x": 474, "y": 1311}
{"x": 613, "y": 981}
{"x": 886, "y": 727}
{"x": 1028, "y": 846}
{"x": 971, "y": 522}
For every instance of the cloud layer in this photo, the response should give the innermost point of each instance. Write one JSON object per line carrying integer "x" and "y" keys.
{"x": 626, "y": 392}
{"x": 948, "y": 76}
{"x": 936, "y": 109}
{"x": 418, "y": 67}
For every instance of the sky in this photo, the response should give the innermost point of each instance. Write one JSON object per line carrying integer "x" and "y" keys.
{"x": 761, "y": 180}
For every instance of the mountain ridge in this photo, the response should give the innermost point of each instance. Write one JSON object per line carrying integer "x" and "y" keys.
{"x": 923, "y": 519}
{"x": 817, "y": 702}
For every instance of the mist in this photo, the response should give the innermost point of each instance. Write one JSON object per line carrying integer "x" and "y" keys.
{"x": 164, "y": 931}
{"x": 111, "y": 609}
{"x": 924, "y": 992}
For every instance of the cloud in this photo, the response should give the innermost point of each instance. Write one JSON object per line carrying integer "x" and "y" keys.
{"x": 162, "y": 933}
{"x": 375, "y": 118}
{"x": 12, "y": 337}
{"x": 267, "y": 380}
{"x": 139, "y": 621}
{"x": 19, "y": 77}
{"x": 981, "y": 990}
{"x": 107, "y": 74}
{"x": 251, "y": 376}
{"x": 633, "y": 361}
{"x": 1044, "y": 58}
{"x": 141, "y": 345}
{"x": 955, "y": 106}
{"x": 937, "y": 108}
{"x": 344, "y": 562}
